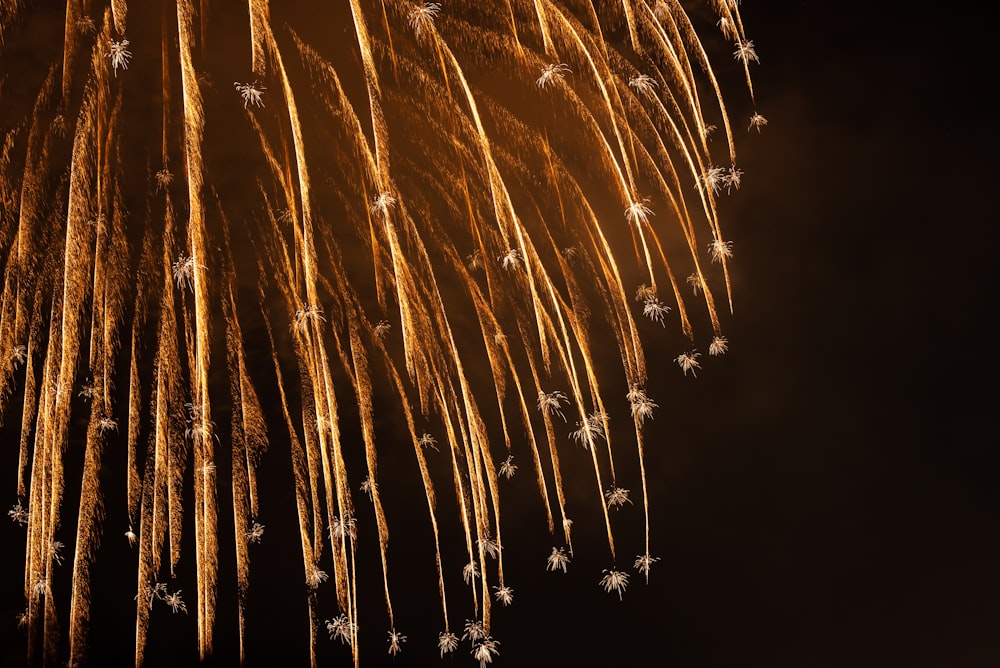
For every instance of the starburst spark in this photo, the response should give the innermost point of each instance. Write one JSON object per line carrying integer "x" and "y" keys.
{"x": 590, "y": 430}
{"x": 175, "y": 602}
{"x": 396, "y": 641}
{"x": 643, "y": 563}
{"x": 341, "y": 628}
{"x": 616, "y": 497}
{"x": 720, "y": 250}
{"x": 251, "y": 93}
{"x": 119, "y": 55}
{"x": 315, "y": 577}
{"x": 551, "y": 403}
{"x": 484, "y": 651}
{"x": 447, "y": 642}
{"x": 18, "y": 355}
{"x": 655, "y": 310}
{"x": 343, "y": 529}
{"x": 508, "y": 468}
{"x": 490, "y": 547}
{"x": 638, "y": 212}
{"x": 255, "y": 534}
{"x": 504, "y": 595}
{"x": 470, "y": 572}
{"x": 474, "y": 630}
{"x": 422, "y": 17}
{"x": 558, "y": 560}
{"x": 641, "y": 405}
{"x": 643, "y": 83}
{"x": 551, "y": 73}
{"x": 615, "y": 581}
{"x": 689, "y": 361}
{"x": 719, "y": 346}
{"x": 18, "y": 513}
{"x": 757, "y": 122}
{"x": 745, "y": 52}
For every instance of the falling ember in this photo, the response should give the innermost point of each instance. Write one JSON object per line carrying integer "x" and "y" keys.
{"x": 344, "y": 277}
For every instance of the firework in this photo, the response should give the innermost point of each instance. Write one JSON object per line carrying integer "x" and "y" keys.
{"x": 378, "y": 180}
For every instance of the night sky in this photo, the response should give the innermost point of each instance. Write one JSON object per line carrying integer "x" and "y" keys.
{"x": 824, "y": 495}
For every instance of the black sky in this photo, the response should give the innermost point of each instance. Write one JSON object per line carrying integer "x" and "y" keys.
{"x": 825, "y": 497}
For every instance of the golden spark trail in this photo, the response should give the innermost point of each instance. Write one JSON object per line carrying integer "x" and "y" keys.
{"x": 206, "y": 516}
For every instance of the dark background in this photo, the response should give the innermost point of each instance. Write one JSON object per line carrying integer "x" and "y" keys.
{"x": 826, "y": 496}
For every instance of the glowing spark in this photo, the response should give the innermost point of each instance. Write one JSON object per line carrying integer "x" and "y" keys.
{"x": 307, "y": 315}
{"x": 733, "y": 179}
{"x": 508, "y": 468}
{"x": 470, "y": 572}
{"x": 504, "y": 595}
{"x": 485, "y": 651}
{"x": 86, "y": 390}
{"x": 341, "y": 628}
{"x": 55, "y": 549}
{"x": 551, "y": 73}
{"x": 474, "y": 630}
{"x": 381, "y": 205}
{"x": 638, "y": 212}
{"x": 315, "y": 577}
{"x": 642, "y": 406}
{"x": 617, "y": 497}
{"x": 18, "y": 355}
{"x": 447, "y": 643}
{"x": 18, "y": 513}
{"x": 119, "y": 55}
{"x": 396, "y": 641}
{"x": 719, "y": 346}
{"x": 163, "y": 178}
{"x": 490, "y": 547}
{"x": 427, "y": 441}
{"x": 714, "y": 179}
{"x": 552, "y": 403}
{"x": 694, "y": 280}
{"x": 422, "y": 18}
{"x": 558, "y": 560}
{"x": 510, "y": 260}
{"x": 655, "y": 310}
{"x": 643, "y": 563}
{"x": 343, "y": 529}
{"x": 720, "y": 250}
{"x": 184, "y": 268}
{"x": 615, "y": 581}
{"x": 757, "y": 122}
{"x": 745, "y": 52}
{"x": 175, "y": 602}
{"x": 255, "y": 534}
{"x": 727, "y": 28}
{"x": 252, "y": 93}
{"x": 643, "y": 83}
{"x": 368, "y": 487}
{"x": 689, "y": 362}
{"x": 590, "y": 430}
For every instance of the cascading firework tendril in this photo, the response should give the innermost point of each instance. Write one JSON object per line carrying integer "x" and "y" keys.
{"x": 366, "y": 224}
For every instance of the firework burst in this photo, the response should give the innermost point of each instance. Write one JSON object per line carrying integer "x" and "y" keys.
{"x": 370, "y": 189}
